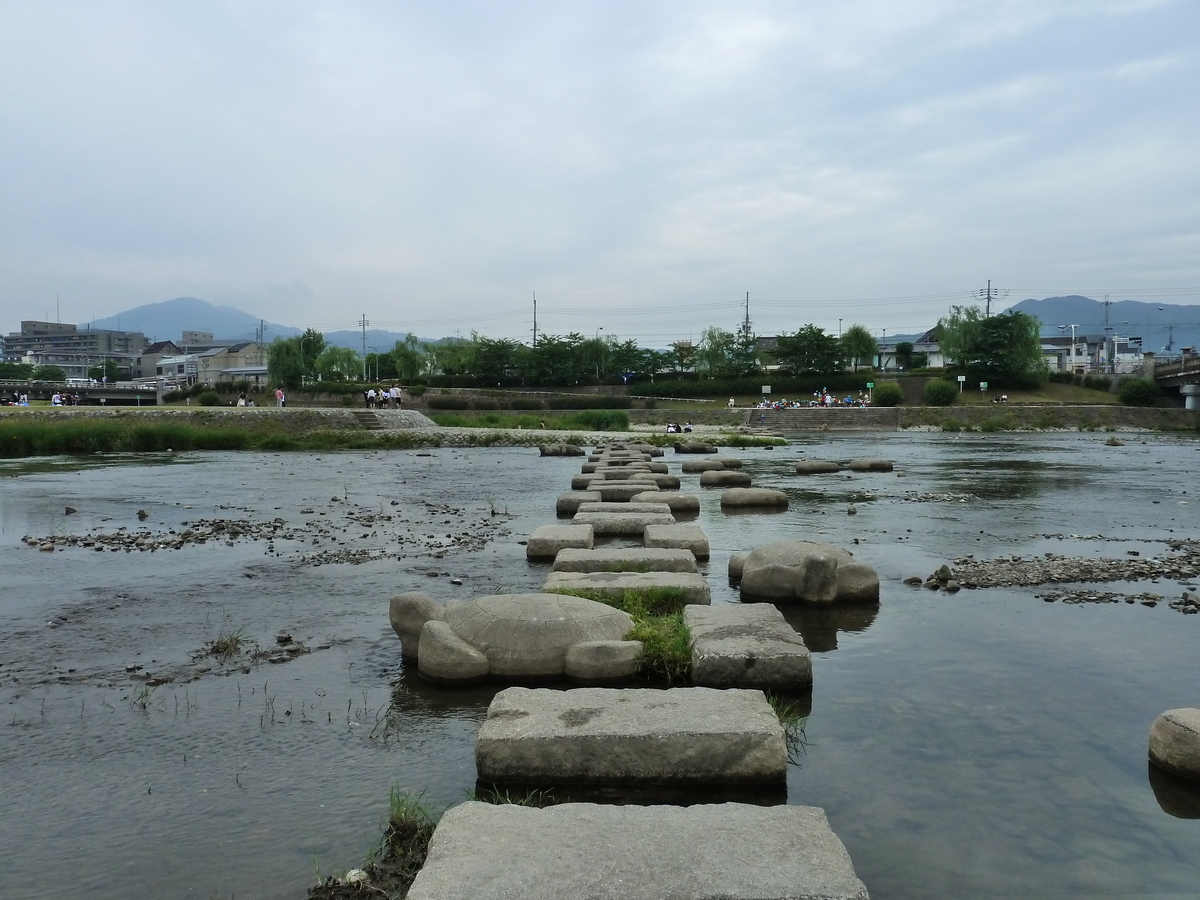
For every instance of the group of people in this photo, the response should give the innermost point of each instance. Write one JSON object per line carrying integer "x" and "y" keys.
{"x": 18, "y": 399}
{"x": 389, "y": 398}
{"x": 674, "y": 428}
{"x": 819, "y": 398}
{"x": 60, "y": 398}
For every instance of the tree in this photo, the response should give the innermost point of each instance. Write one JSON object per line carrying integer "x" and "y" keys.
{"x": 682, "y": 357}
{"x": 107, "y": 372}
{"x": 339, "y": 364}
{"x": 409, "y": 358}
{"x": 904, "y": 355}
{"x": 285, "y": 362}
{"x": 716, "y": 356}
{"x": 48, "y": 373}
{"x": 857, "y": 345}
{"x": 312, "y": 344}
{"x": 1003, "y": 350}
{"x": 16, "y": 371}
{"x": 809, "y": 350}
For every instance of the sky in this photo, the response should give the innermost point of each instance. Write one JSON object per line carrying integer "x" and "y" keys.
{"x": 639, "y": 166}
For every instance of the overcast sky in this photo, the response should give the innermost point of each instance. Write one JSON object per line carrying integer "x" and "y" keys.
{"x": 640, "y": 165}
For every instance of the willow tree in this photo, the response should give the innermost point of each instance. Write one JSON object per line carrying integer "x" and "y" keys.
{"x": 859, "y": 345}
{"x": 1003, "y": 350}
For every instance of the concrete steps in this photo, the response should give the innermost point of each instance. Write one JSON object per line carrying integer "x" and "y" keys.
{"x": 821, "y": 419}
{"x": 367, "y": 419}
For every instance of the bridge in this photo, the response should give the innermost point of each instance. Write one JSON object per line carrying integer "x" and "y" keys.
{"x": 1182, "y": 373}
{"x": 124, "y": 393}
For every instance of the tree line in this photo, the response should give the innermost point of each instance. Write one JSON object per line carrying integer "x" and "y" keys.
{"x": 1004, "y": 349}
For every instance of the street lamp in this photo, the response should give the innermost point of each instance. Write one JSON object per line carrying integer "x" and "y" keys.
{"x": 597, "y": 339}
{"x": 839, "y": 327}
{"x": 1072, "y": 327}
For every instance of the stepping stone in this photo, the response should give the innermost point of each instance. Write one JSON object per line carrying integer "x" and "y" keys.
{"x": 614, "y": 584}
{"x": 622, "y": 473}
{"x": 816, "y": 466}
{"x": 621, "y": 491}
{"x": 678, "y": 537}
{"x": 568, "y": 503}
{"x": 728, "y": 462}
{"x": 546, "y": 541}
{"x": 730, "y": 851}
{"x": 694, "y": 447}
{"x": 583, "y": 482}
{"x": 692, "y": 466}
{"x": 747, "y": 646}
{"x": 559, "y": 450}
{"x": 1175, "y": 742}
{"x": 610, "y": 523}
{"x": 599, "y": 506}
{"x": 725, "y": 478}
{"x": 679, "y": 504}
{"x": 635, "y": 736}
{"x": 746, "y": 498}
{"x": 870, "y": 465}
{"x": 664, "y": 482}
{"x": 627, "y": 560}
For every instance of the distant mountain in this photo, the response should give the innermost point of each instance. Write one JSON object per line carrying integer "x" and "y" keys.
{"x": 167, "y": 321}
{"x": 1162, "y": 327}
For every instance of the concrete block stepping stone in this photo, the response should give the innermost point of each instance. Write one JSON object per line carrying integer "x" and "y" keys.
{"x": 600, "y": 506}
{"x": 752, "y": 498}
{"x": 807, "y": 572}
{"x": 730, "y": 851}
{"x": 736, "y": 562}
{"x": 512, "y": 637}
{"x": 664, "y": 482}
{"x": 635, "y": 736}
{"x": 621, "y": 473}
{"x": 747, "y": 646}
{"x": 725, "y": 478}
{"x": 693, "y": 586}
{"x": 678, "y": 537}
{"x": 692, "y": 466}
{"x": 870, "y": 465}
{"x": 568, "y": 503}
{"x": 612, "y": 523}
{"x": 625, "y": 560}
{"x": 679, "y": 504}
{"x": 817, "y": 466}
{"x": 694, "y": 447}
{"x": 546, "y": 541}
{"x": 621, "y": 491}
{"x": 559, "y": 450}
{"x": 1175, "y": 742}
{"x": 583, "y": 482}
{"x": 728, "y": 462}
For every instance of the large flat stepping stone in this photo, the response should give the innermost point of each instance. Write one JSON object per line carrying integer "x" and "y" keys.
{"x": 548, "y": 540}
{"x": 599, "y": 506}
{"x": 622, "y": 473}
{"x": 871, "y": 465}
{"x": 609, "y": 523}
{"x": 725, "y": 478}
{"x": 634, "y": 736}
{"x": 1175, "y": 742}
{"x": 627, "y": 560}
{"x": 614, "y": 584}
{"x": 664, "y": 482}
{"x": 749, "y": 646}
{"x": 569, "y": 501}
{"x": 693, "y": 466}
{"x": 726, "y": 851}
{"x": 677, "y": 537}
{"x": 621, "y": 491}
{"x": 817, "y": 466}
{"x": 754, "y": 498}
{"x": 679, "y": 504}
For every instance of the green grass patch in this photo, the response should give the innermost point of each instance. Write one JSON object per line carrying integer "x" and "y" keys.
{"x": 793, "y": 716}
{"x": 657, "y": 615}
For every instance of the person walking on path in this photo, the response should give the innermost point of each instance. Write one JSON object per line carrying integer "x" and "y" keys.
{"x": 280, "y": 398}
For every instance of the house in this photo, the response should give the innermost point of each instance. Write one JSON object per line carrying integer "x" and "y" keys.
{"x": 146, "y": 364}
{"x": 211, "y": 365}
{"x": 927, "y": 343}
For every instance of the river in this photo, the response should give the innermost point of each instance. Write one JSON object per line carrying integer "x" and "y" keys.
{"x": 984, "y": 744}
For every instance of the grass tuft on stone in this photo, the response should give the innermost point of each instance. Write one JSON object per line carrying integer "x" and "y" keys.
{"x": 657, "y": 615}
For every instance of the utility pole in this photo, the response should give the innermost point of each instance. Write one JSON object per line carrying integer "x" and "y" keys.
{"x": 1107, "y": 334}
{"x": 988, "y": 296}
{"x": 364, "y": 323}
{"x": 535, "y": 320}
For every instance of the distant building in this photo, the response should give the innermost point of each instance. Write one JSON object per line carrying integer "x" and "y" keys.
{"x": 927, "y": 343}
{"x": 146, "y": 365}
{"x": 72, "y": 350}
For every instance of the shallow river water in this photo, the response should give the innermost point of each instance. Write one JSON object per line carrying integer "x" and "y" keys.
{"x": 986, "y": 744}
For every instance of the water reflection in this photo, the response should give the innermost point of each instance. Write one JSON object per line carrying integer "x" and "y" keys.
{"x": 1007, "y": 479}
{"x": 819, "y": 625}
{"x": 1178, "y": 797}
